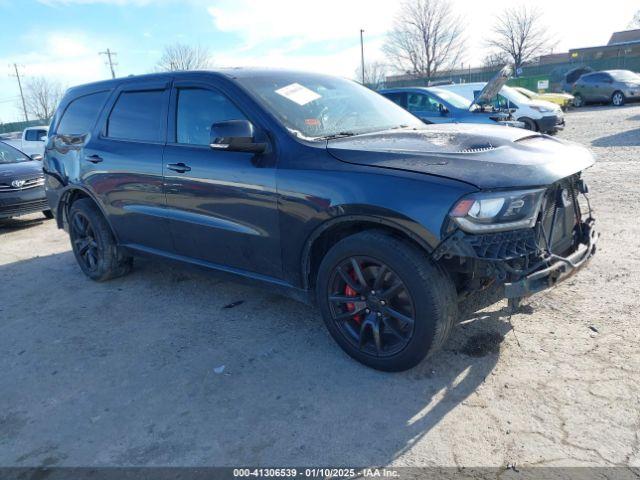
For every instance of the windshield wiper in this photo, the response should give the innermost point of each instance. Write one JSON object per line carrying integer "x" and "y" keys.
{"x": 336, "y": 135}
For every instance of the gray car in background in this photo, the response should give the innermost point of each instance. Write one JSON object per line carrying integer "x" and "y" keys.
{"x": 607, "y": 86}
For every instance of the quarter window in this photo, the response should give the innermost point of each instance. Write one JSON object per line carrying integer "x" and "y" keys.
{"x": 198, "y": 108}
{"x": 137, "y": 116}
{"x": 81, "y": 113}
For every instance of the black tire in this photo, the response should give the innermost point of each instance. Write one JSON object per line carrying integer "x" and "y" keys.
{"x": 618, "y": 98}
{"x": 93, "y": 243}
{"x": 48, "y": 214}
{"x": 578, "y": 101}
{"x": 529, "y": 124}
{"x": 429, "y": 289}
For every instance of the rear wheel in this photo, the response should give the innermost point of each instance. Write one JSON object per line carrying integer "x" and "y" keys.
{"x": 383, "y": 301}
{"x": 93, "y": 243}
{"x": 617, "y": 98}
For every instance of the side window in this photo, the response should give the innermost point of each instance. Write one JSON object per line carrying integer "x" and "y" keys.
{"x": 198, "y": 108}
{"x": 137, "y": 115}
{"x": 399, "y": 98}
{"x": 418, "y": 102}
{"x": 34, "y": 135}
{"x": 81, "y": 113}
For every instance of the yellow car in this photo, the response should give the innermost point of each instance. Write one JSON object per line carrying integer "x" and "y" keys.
{"x": 563, "y": 99}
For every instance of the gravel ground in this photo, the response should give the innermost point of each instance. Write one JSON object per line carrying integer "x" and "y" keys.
{"x": 130, "y": 372}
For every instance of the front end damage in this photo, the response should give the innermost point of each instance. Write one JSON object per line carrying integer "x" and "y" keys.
{"x": 529, "y": 260}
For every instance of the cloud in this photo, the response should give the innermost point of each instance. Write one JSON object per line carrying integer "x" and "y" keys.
{"x": 257, "y": 21}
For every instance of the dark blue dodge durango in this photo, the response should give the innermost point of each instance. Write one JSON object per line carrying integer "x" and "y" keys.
{"x": 321, "y": 188}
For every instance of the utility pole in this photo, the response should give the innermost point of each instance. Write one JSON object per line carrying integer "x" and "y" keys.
{"x": 24, "y": 105}
{"x": 362, "y": 55}
{"x": 110, "y": 54}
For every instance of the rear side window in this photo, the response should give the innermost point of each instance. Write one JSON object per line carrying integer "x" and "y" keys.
{"x": 34, "y": 135}
{"x": 81, "y": 113}
{"x": 197, "y": 110}
{"x": 137, "y": 116}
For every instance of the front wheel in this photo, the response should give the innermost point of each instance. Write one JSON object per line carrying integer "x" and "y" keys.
{"x": 578, "y": 101}
{"x": 383, "y": 301}
{"x": 529, "y": 124}
{"x": 93, "y": 243}
{"x": 617, "y": 99}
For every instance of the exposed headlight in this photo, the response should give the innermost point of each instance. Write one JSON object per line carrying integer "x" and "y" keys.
{"x": 497, "y": 211}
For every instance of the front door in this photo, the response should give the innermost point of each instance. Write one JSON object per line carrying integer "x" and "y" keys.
{"x": 426, "y": 108}
{"x": 221, "y": 206}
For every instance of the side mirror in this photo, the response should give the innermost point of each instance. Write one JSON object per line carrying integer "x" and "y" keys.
{"x": 43, "y": 138}
{"x": 37, "y": 156}
{"x": 443, "y": 110}
{"x": 235, "y": 136}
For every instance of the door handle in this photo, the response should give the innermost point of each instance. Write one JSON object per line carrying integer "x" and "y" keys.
{"x": 179, "y": 167}
{"x": 93, "y": 158}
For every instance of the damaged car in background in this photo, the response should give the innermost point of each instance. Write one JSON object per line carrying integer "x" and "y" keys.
{"x": 319, "y": 188}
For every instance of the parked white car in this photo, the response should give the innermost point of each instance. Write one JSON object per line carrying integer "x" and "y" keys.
{"x": 32, "y": 140}
{"x": 537, "y": 115}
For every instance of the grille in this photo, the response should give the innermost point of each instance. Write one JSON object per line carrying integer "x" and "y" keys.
{"x": 504, "y": 245}
{"x": 29, "y": 183}
{"x": 23, "y": 208}
{"x": 562, "y": 198}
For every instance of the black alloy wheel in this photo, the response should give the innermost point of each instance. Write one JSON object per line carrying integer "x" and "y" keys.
{"x": 84, "y": 242}
{"x": 371, "y": 306}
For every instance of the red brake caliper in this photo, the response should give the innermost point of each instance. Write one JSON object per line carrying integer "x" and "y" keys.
{"x": 350, "y": 292}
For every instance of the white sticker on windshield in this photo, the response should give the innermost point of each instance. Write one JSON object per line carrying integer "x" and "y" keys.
{"x": 298, "y": 93}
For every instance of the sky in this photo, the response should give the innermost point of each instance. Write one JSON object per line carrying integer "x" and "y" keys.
{"x": 60, "y": 39}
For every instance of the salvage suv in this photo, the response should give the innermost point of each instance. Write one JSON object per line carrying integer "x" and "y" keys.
{"x": 322, "y": 189}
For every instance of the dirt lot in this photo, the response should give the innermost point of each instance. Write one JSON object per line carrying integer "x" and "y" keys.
{"x": 130, "y": 372}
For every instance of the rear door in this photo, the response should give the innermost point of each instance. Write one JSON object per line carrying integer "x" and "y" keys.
{"x": 222, "y": 205}
{"x": 122, "y": 165}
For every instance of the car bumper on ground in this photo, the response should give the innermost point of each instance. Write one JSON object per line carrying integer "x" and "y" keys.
{"x": 22, "y": 202}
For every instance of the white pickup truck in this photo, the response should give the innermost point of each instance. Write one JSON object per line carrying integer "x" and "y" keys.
{"x": 31, "y": 141}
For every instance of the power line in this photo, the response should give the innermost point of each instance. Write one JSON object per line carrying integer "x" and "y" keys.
{"x": 110, "y": 61}
{"x": 24, "y": 105}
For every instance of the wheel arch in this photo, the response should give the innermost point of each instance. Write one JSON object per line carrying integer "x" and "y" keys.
{"x": 332, "y": 231}
{"x": 70, "y": 195}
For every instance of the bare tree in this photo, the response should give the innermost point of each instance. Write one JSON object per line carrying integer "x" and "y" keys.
{"x": 427, "y": 37}
{"x": 375, "y": 74}
{"x": 180, "y": 57}
{"x": 635, "y": 21}
{"x": 42, "y": 96}
{"x": 520, "y": 35}
{"x": 495, "y": 61}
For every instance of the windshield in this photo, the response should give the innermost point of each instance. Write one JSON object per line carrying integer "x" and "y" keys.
{"x": 452, "y": 98}
{"x": 625, "y": 76}
{"x": 319, "y": 106}
{"x": 8, "y": 154}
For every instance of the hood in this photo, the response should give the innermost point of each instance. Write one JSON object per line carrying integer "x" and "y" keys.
{"x": 20, "y": 171}
{"x": 493, "y": 86}
{"x": 485, "y": 156}
{"x": 545, "y": 104}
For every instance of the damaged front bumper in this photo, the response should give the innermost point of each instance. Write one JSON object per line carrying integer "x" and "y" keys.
{"x": 557, "y": 269}
{"x": 514, "y": 259}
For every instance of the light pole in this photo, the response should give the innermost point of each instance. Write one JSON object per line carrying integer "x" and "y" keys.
{"x": 362, "y": 55}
